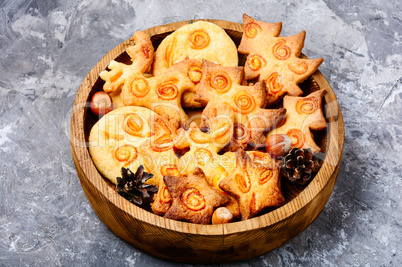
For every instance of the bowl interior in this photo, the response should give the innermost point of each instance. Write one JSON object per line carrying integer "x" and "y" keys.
{"x": 290, "y": 190}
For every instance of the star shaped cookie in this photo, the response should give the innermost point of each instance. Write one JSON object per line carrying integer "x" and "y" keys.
{"x": 163, "y": 93}
{"x": 160, "y": 157}
{"x": 275, "y": 60}
{"x": 221, "y": 89}
{"x": 255, "y": 186}
{"x": 303, "y": 114}
{"x": 194, "y": 200}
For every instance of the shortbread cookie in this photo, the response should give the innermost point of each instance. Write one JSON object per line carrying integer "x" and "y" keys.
{"x": 302, "y": 115}
{"x": 141, "y": 54}
{"x": 132, "y": 136}
{"x": 115, "y": 139}
{"x": 194, "y": 200}
{"x": 199, "y": 40}
{"x": 162, "y": 161}
{"x": 162, "y": 93}
{"x": 275, "y": 60}
{"x": 255, "y": 186}
{"x": 202, "y": 153}
{"x": 221, "y": 89}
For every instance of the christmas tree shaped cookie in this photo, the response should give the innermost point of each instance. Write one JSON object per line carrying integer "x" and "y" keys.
{"x": 255, "y": 186}
{"x": 303, "y": 114}
{"x": 221, "y": 88}
{"x": 275, "y": 60}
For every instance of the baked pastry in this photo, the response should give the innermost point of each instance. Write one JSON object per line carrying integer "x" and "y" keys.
{"x": 162, "y": 93}
{"x": 202, "y": 153}
{"x": 141, "y": 54}
{"x": 162, "y": 160}
{"x": 255, "y": 186}
{"x": 199, "y": 40}
{"x": 303, "y": 114}
{"x": 221, "y": 89}
{"x": 131, "y": 136}
{"x": 275, "y": 60}
{"x": 115, "y": 139}
{"x": 194, "y": 200}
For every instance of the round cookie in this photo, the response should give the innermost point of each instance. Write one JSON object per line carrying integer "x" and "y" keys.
{"x": 115, "y": 140}
{"x": 199, "y": 40}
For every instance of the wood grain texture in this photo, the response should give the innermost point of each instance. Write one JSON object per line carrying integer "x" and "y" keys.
{"x": 192, "y": 243}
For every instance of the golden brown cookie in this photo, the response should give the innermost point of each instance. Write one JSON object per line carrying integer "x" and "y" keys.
{"x": 255, "y": 186}
{"x": 141, "y": 54}
{"x": 194, "y": 200}
{"x": 202, "y": 153}
{"x": 114, "y": 141}
{"x": 221, "y": 89}
{"x": 162, "y": 160}
{"x": 162, "y": 93}
{"x": 302, "y": 115}
{"x": 198, "y": 40}
{"x": 275, "y": 60}
{"x": 131, "y": 136}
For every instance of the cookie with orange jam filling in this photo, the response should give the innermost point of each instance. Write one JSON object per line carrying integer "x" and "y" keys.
{"x": 203, "y": 151}
{"x": 274, "y": 59}
{"x": 141, "y": 54}
{"x": 303, "y": 114}
{"x": 162, "y": 160}
{"x": 194, "y": 200}
{"x": 114, "y": 141}
{"x": 255, "y": 186}
{"x": 221, "y": 89}
{"x": 162, "y": 93}
{"x": 198, "y": 40}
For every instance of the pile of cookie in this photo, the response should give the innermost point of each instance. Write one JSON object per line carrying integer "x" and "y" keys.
{"x": 221, "y": 165}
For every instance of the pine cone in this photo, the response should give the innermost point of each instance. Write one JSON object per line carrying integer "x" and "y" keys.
{"x": 133, "y": 187}
{"x": 300, "y": 165}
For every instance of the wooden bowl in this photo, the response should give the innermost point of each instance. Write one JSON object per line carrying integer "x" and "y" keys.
{"x": 192, "y": 243}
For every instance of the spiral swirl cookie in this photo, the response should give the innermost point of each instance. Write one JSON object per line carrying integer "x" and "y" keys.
{"x": 199, "y": 40}
{"x": 194, "y": 200}
{"x": 303, "y": 114}
{"x": 254, "y": 186}
{"x": 162, "y": 93}
{"x": 114, "y": 141}
{"x": 202, "y": 153}
{"x": 275, "y": 60}
{"x": 141, "y": 54}
{"x": 221, "y": 88}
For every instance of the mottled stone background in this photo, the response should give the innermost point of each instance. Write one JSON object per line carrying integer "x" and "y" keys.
{"x": 48, "y": 47}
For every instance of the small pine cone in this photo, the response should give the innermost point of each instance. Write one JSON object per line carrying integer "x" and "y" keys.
{"x": 300, "y": 165}
{"x": 133, "y": 187}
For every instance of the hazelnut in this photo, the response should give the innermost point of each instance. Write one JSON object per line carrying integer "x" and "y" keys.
{"x": 278, "y": 145}
{"x": 101, "y": 103}
{"x": 222, "y": 215}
